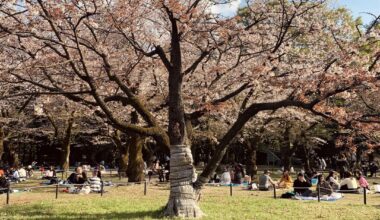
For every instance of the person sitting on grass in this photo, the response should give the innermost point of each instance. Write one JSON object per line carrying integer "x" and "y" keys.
{"x": 325, "y": 187}
{"x": 22, "y": 173}
{"x": 301, "y": 186}
{"x": 239, "y": 174}
{"x": 332, "y": 180}
{"x": 225, "y": 178}
{"x": 14, "y": 175}
{"x": 265, "y": 181}
{"x": 49, "y": 173}
{"x": 349, "y": 183}
{"x": 95, "y": 183}
{"x": 285, "y": 181}
{"x": 78, "y": 177}
{"x": 363, "y": 183}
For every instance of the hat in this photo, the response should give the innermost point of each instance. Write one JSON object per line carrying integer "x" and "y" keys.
{"x": 301, "y": 174}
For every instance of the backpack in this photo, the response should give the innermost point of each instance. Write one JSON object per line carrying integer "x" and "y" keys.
{"x": 288, "y": 195}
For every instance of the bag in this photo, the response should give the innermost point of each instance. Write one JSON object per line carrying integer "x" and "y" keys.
{"x": 85, "y": 190}
{"x": 288, "y": 195}
{"x": 377, "y": 188}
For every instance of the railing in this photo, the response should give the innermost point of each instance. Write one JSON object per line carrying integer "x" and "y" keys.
{"x": 65, "y": 186}
{"x": 145, "y": 189}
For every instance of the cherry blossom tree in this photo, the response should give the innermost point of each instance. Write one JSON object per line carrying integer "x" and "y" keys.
{"x": 174, "y": 61}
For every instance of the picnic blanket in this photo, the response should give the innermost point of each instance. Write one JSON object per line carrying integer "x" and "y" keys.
{"x": 233, "y": 184}
{"x": 333, "y": 197}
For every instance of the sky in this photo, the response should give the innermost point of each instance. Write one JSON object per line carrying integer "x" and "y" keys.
{"x": 357, "y": 7}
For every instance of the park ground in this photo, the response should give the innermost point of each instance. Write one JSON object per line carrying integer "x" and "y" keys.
{"x": 129, "y": 202}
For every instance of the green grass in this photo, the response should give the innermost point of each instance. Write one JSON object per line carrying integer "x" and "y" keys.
{"x": 128, "y": 202}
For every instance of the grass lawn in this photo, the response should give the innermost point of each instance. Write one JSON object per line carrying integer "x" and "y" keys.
{"x": 128, "y": 202}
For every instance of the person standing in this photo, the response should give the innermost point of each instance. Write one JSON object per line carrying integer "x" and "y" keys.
{"x": 323, "y": 163}
{"x": 373, "y": 169}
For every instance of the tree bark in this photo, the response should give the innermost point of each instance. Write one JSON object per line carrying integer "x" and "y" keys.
{"x": 286, "y": 150}
{"x": 135, "y": 168}
{"x": 285, "y": 157}
{"x": 2, "y": 137}
{"x": 252, "y": 158}
{"x": 123, "y": 152}
{"x": 13, "y": 157}
{"x": 65, "y": 144}
{"x": 183, "y": 197}
{"x": 306, "y": 158}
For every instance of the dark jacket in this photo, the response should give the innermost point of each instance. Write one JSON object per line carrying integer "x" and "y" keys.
{"x": 3, "y": 184}
{"x": 298, "y": 183}
{"x": 74, "y": 178}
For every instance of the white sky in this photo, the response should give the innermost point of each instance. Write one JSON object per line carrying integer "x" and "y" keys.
{"x": 227, "y": 9}
{"x": 357, "y": 7}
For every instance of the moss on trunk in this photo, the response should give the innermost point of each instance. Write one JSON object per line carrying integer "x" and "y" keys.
{"x": 123, "y": 156}
{"x": 135, "y": 170}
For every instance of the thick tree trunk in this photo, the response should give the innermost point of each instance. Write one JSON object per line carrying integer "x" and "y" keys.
{"x": 135, "y": 170}
{"x": 123, "y": 152}
{"x": 2, "y": 137}
{"x": 252, "y": 156}
{"x": 65, "y": 157}
{"x": 306, "y": 158}
{"x": 285, "y": 150}
{"x": 65, "y": 144}
{"x": 183, "y": 197}
{"x": 285, "y": 157}
{"x": 13, "y": 158}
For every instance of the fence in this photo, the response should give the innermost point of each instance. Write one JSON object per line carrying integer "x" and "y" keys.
{"x": 9, "y": 189}
{"x": 145, "y": 189}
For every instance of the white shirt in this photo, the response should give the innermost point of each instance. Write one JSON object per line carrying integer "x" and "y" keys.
{"x": 225, "y": 178}
{"x": 350, "y": 182}
{"x": 22, "y": 172}
{"x": 334, "y": 181}
{"x": 16, "y": 174}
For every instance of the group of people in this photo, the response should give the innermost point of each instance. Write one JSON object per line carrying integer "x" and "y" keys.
{"x": 234, "y": 174}
{"x": 350, "y": 182}
{"x": 342, "y": 165}
{"x": 82, "y": 183}
{"x": 14, "y": 174}
{"x": 78, "y": 179}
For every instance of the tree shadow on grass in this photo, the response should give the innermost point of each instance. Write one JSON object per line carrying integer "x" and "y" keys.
{"x": 43, "y": 212}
